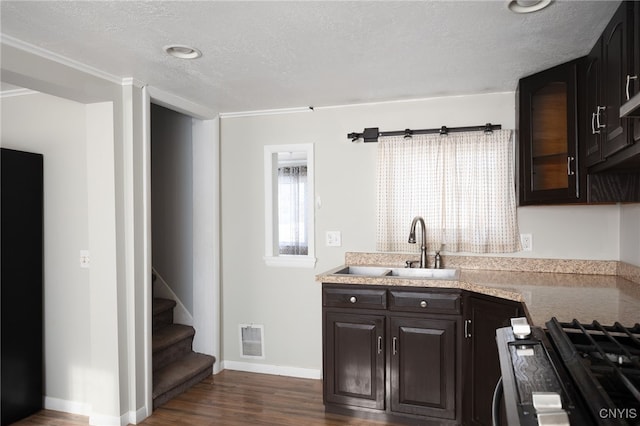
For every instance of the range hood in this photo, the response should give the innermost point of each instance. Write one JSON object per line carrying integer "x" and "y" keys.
{"x": 631, "y": 108}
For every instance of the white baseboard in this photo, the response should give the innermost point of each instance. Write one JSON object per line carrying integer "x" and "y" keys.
{"x": 82, "y": 409}
{"x": 71, "y": 407}
{"x": 134, "y": 417}
{"x": 103, "y": 420}
{"x": 279, "y": 370}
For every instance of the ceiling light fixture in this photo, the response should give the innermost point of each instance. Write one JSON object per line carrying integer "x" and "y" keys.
{"x": 528, "y": 6}
{"x": 182, "y": 51}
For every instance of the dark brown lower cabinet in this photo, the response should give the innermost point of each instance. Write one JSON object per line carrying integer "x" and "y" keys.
{"x": 423, "y": 363}
{"x": 355, "y": 360}
{"x": 483, "y": 315}
{"x": 412, "y": 355}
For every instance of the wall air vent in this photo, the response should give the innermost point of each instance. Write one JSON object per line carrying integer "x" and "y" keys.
{"x": 252, "y": 341}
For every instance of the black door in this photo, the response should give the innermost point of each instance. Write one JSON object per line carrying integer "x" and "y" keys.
{"x": 21, "y": 294}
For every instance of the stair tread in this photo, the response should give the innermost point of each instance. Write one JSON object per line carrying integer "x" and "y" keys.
{"x": 168, "y": 335}
{"x": 180, "y": 371}
{"x": 161, "y": 305}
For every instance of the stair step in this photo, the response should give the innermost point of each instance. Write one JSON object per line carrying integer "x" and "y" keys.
{"x": 170, "y": 343}
{"x": 160, "y": 305}
{"x": 162, "y": 312}
{"x": 180, "y": 375}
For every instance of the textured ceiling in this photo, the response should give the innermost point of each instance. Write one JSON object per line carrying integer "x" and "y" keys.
{"x": 271, "y": 54}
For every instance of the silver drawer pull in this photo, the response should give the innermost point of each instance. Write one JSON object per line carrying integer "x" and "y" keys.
{"x": 598, "y": 110}
{"x": 569, "y": 171}
{"x": 353, "y": 299}
{"x": 593, "y": 124}
{"x": 423, "y": 304}
{"x": 629, "y": 78}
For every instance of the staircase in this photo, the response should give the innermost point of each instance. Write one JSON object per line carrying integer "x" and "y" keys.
{"x": 176, "y": 367}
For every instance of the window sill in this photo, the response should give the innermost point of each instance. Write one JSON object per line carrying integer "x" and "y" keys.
{"x": 291, "y": 261}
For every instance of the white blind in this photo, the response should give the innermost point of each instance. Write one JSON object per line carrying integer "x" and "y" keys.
{"x": 461, "y": 184}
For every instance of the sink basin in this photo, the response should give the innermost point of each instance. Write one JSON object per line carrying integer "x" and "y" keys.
{"x": 381, "y": 271}
{"x": 370, "y": 271}
{"x": 434, "y": 274}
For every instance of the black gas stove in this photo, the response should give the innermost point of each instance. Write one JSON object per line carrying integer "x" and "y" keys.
{"x": 569, "y": 374}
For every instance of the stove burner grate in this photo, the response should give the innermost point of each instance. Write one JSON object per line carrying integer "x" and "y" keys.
{"x": 604, "y": 361}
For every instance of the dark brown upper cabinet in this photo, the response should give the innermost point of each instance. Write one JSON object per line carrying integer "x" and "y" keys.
{"x": 550, "y": 169}
{"x": 593, "y": 122}
{"x": 634, "y": 76}
{"x": 611, "y": 79}
{"x": 573, "y": 145}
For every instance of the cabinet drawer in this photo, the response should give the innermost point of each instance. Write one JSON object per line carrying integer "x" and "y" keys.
{"x": 353, "y": 297}
{"x": 421, "y": 301}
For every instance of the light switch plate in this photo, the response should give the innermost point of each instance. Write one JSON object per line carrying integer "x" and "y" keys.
{"x": 334, "y": 238}
{"x": 85, "y": 259}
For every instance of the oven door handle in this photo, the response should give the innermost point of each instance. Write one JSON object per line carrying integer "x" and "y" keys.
{"x": 495, "y": 403}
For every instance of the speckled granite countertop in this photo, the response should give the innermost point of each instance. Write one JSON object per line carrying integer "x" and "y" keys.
{"x": 597, "y": 293}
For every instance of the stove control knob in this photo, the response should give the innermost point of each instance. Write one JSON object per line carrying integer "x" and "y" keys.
{"x": 549, "y": 411}
{"x": 520, "y": 327}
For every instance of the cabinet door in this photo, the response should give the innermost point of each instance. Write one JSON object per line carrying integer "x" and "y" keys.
{"x": 354, "y": 360}
{"x": 594, "y": 116}
{"x": 483, "y": 315}
{"x": 423, "y": 366}
{"x": 549, "y": 171}
{"x": 634, "y": 83}
{"x": 616, "y": 44}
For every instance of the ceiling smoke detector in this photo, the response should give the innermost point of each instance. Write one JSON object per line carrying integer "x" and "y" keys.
{"x": 182, "y": 51}
{"x": 528, "y": 6}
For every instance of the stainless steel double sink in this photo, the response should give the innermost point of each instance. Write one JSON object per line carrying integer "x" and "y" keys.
{"x": 413, "y": 273}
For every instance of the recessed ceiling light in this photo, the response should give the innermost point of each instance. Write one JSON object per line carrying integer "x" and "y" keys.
{"x": 528, "y": 6}
{"x": 182, "y": 52}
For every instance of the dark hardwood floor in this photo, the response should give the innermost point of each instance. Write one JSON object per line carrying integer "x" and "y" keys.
{"x": 233, "y": 398}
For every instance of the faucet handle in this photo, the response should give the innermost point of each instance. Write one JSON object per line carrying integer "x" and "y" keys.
{"x": 411, "y": 263}
{"x": 437, "y": 261}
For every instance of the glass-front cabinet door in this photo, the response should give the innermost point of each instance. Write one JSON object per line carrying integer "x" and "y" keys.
{"x": 549, "y": 165}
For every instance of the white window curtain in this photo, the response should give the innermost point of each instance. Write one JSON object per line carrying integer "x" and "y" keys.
{"x": 292, "y": 215}
{"x": 461, "y": 184}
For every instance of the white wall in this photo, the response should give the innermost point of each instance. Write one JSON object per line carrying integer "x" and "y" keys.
{"x": 287, "y": 301}
{"x": 572, "y": 232}
{"x": 56, "y": 128}
{"x": 105, "y": 381}
{"x": 630, "y": 233}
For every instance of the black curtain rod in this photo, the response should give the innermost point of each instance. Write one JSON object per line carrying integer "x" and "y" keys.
{"x": 371, "y": 134}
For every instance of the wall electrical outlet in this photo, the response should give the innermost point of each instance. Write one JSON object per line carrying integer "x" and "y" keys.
{"x": 334, "y": 239}
{"x": 526, "y": 240}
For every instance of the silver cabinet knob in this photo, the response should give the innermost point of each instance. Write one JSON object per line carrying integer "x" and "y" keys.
{"x": 353, "y": 299}
{"x": 423, "y": 304}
